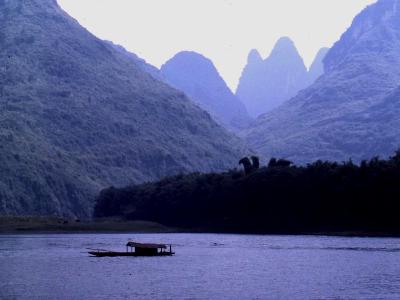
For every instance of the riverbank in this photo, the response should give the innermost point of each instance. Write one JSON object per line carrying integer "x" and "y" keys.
{"x": 38, "y": 225}
{"x": 34, "y": 224}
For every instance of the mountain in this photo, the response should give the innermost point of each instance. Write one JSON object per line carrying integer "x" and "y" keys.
{"x": 266, "y": 84}
{"x": 77, "y": 115}
{"x": 350, "y": 112}
{"x": 152, "y": 70}
{"x": 197, "y": 76}
{"x": 317, "y": 67}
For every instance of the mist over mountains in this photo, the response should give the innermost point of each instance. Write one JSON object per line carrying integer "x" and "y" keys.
{"x": 78, "y": 115}
{"x": 317, "y": 67}
{"x": 266, "y": 84}
{"x": 197, "y": 76}
{"x": 350, "y": 112}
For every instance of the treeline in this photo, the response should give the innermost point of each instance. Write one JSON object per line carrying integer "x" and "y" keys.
{"x": 321, "y": 197}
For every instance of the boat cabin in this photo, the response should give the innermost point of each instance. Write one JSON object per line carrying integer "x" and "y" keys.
{"x": 148, "y": 249}
{"x": 136, "y": 249}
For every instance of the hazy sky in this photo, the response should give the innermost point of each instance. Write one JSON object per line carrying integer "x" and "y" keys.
{"x": 223, "y": 30}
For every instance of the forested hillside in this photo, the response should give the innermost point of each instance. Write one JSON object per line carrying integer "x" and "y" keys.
{"x": 78, "y": 115}
{"x": 322, "y": 197}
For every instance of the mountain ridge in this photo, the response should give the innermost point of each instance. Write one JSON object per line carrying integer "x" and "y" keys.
{"x": 196, "y": 75}
{"x": 361, "y": 70}
{"x": 77, "y": 116}
{"x": 267, "y": 83}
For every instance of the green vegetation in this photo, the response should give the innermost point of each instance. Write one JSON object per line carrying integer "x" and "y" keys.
{"x": 322, "y": 197}
{"x": 77, "y": 115}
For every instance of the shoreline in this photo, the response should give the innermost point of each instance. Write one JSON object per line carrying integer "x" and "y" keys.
{"x": 55, "y": 225}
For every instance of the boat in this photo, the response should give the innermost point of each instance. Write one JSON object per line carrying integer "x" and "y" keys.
{"x": 136, "y": 249}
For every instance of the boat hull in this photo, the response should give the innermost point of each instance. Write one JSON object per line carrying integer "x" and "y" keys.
{"x": 131, "y": 254}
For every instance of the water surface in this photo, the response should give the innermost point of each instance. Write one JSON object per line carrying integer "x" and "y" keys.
{"x": 206, "y": 266}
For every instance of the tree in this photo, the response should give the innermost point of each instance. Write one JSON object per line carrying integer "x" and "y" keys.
{"x": 279, "y": 163}
{"x": 256, "y": 162}
{"x": 248, "y": 168}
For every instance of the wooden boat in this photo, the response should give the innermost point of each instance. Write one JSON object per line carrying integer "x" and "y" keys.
{"x": 136, "y": 249}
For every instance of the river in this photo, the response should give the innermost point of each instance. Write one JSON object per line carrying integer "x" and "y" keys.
{"x": 206, "y": 266}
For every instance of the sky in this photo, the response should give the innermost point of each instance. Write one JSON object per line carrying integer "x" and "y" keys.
{"x": 223, "y": 30}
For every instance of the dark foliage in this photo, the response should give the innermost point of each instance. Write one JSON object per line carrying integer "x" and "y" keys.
{"x": 279, "y": 163}
{"x": 250, "y": 165}
{"x": 256, "y": 162}
{"x": 319, "y": 197}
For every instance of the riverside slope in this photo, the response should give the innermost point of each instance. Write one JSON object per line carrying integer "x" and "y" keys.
{"x": 77, "y": 116}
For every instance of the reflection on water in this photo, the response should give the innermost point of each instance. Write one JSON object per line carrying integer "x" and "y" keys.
{"x": 206, "y": 266}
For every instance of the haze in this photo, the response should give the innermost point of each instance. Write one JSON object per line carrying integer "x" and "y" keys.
{"x": 223, "y": 30}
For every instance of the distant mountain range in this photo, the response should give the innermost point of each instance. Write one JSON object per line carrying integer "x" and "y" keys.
{"x": 78, "y": 115}
{"x": 197, "y": 76}
{"x": 266, "y": 84}
{"x": 352, "y": 111}
{"x": 317, "y": 67}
